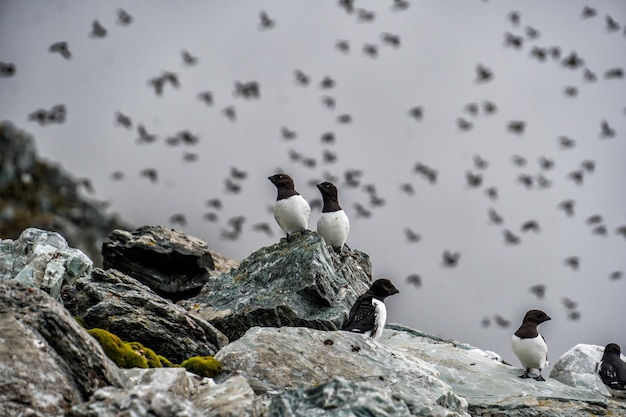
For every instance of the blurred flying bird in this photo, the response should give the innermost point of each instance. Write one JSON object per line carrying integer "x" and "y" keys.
{"x": 61, "y": 48}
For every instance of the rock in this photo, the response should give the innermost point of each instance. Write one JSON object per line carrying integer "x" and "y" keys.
{"x": 173, "y": 264}
{"x": 48, "y": 363}
{"x": 577, "y": 368}
{"x": 122, "y": 305}
{"x": 176, "y": 381}
{"x": 490, "y": 386}
{"x": 232, "y": 398}
{"x": 279, "y": 360}
{"x": 338, "y": 398}
{"x": 292, "y": 283}
{"x": 42, "y": 259}
{"x": 138, "y": 401}
{"x": 36, "y": 193}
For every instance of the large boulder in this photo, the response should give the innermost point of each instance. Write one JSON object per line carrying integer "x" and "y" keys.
{"x": 122, "y": 305}
{"x": 577, "y": 368}
{"x": 279, "y": 360}
{"x": 491, "y": 387}
{"x": 173, "y": 264}
{"x": 48, "y": 363}
{"x": 297, "y": 282}
{"x": 42, "y": 259}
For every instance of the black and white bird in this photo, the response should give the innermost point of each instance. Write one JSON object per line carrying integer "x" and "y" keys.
{"x": 292, "y": 211}
{"x": 369, "y": 314}
{"x": 529, "y": 346}
{"x": 333, "y": 224}
{"x": 612, "y": 370}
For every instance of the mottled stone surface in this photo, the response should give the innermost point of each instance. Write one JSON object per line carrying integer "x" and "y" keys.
{"x": 276, "y": 360}
{"x": 173, "y": 264}
{"x": 490, "y": 386}
{"x": 292, "y": 283}
{"x": 231, "y": 398}
{"x": 338, "y": 398}
{"x": 42, "y": 259}
{"x": 48, "y": 363}
{"x": 122, "y": 305}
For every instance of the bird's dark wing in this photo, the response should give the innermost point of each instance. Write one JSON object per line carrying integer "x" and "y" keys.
{"x": 613, "y": 375}
{"x": 362, "y": 315}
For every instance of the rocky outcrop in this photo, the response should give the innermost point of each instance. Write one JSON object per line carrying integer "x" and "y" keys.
{"x": 171, "y": 263}
{"x": 37, "y": 193}
{"x": 282, "y": 305}
{"x": 122, "y": 305}
{"x": 292, "y": 283}
{"x": 42, "y": 259}
{"x": 48, "y": 363}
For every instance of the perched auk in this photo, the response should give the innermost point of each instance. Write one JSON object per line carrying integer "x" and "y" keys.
{"x": 333, "y": 224}
{"x": 292, "y": 211}
{"x": 612, "y": 371}
{"x": 529, "y": 346}
{"x": 368, "y": 314}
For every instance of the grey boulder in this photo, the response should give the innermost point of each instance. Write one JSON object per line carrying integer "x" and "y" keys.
{"x": 122, "y": 305}
{"x": 173, "y": 264}
{"x": 48, "y": 363}
{"x": 42, "y": 259}
{"x": 297, "y": 282}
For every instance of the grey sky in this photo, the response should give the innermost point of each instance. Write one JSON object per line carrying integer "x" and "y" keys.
{"x": 435, "y": 67}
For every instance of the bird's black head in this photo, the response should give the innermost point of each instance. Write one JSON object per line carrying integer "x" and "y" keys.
{"x": 282, "y": 181}
{"x": 536, "y": 316}
{"x": 328, "y": 190}
{"x": 382, "y": 288}
{"x": 612, "y": 348}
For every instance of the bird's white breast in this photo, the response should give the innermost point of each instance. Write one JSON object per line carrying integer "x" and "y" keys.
{"x": 292, "y": 214}
{"x": 380, "y": 317}
{"x": 532, "y": 353}
{"x": 334, "y": 227}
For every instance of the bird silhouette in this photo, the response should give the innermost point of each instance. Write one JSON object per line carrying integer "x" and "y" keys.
{"x": 123, "y": 18}
{"x": 287, "y": 134}
{"x": 370, "y": 50}
{"x": 230, "y": 113}
{"x": 97, "y": 30}
{"x": 611, "y": 24}
{"x": 514, "y": 17}
{"x": 530, "y": 225}
{"x": 179, "y": 219}
{"x": 607, "y": 131}
{"x": 588, "y": 12}
{"x": 510, "y": 238}
{"x": 365, "y": 16}
{"x": 414, "y": 279}
{"x": 411, "y": 236}
{"x": 123, "y": 120}
{"x": 266, "y": 22}
{"x": 206, "y": 97}
{"x": 343, "y": 46}
{"x": 516, "y": 42}
{"x": 567, "y": 206}
{"x": 566, "y": 143}
{"x": 188, "y": 59}
{"x": 61, "y": 48}
{"x": 151, "y": 174}
{"x": 144, "y": 136}
{"x": 516, "y": 126}
{"x": 483, "y": 74}
{"x": 417, "y": 112}
{"x": 7, "y": 69}
{"x": 573, "y": 262}
{"x": 391, "y": 39}
{"x": 301, "y": 78}
{"x": 450, "y": 259}
{"x": 539, "y": 290}
{"x": 614, "y": 73}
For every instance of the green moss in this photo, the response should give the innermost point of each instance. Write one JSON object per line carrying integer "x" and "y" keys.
{"x": 151, "y": 358}
{"x": 203, "y": 366}
{"x": 119, "y": 352}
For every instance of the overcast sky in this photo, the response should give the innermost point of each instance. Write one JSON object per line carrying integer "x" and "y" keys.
{"x": 434, "y": 67}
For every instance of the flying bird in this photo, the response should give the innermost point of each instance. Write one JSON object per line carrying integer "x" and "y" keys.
{"x": 368, "y": 315}
{"x": 188, "y": 59}
{"x": 451, "y": 259}
{"x": 123, "y": 18}
{"x": 7, "y": 69}
{"x": 529, "y": 345}
{"x": 483, "y": 74}
{"x": 61, "y": 48}
{"x": 97, "y": 30}
{"x": 266, "y": 22}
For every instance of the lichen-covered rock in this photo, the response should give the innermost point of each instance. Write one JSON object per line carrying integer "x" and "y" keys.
{"x": 173, "y": 264}
{"x": 48, "y": 363}
{"x": 42, "y": 259}
{"x": 122, "y": 305}
{"x": 338, "y": 398}
{"x": 577, "y": 368}
{"x": 176, "y": 381}
{"x": 491, "y": 388}
{"x": 292, "y": 283}
{"x": 276, "y": 360}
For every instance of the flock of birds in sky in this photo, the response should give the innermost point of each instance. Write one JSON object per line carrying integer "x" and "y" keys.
{"x": 517, "y": 39}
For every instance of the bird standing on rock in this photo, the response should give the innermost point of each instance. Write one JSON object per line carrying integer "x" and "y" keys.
{"x": 333, "y": 224}
{"x": 529, "y": 346}
{"x": 612, "y": 370}
{"x": 369, "y": 314}
{"x": 292, "y": 211}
